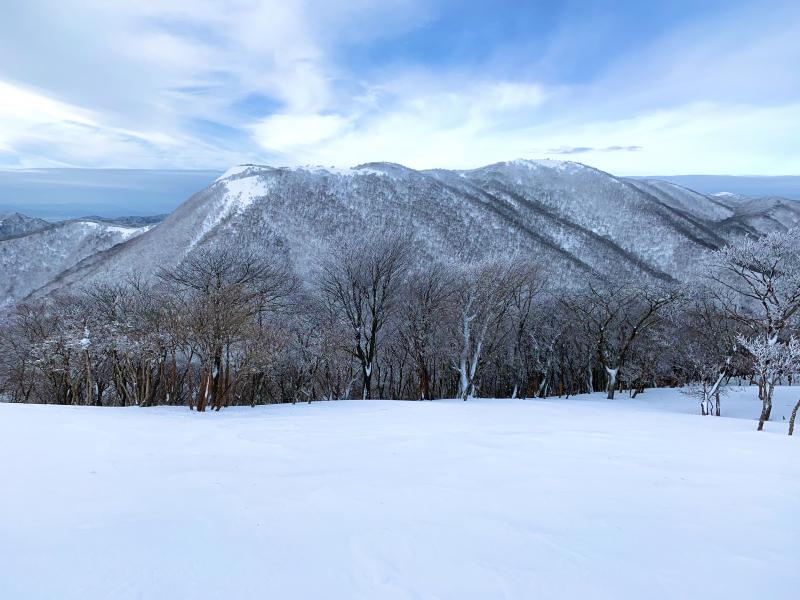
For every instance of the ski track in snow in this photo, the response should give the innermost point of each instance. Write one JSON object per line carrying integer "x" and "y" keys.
{"x": 579, "y": 498}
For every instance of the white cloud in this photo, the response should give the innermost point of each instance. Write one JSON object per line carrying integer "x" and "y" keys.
{"x": 431, "y": 131}
{"x": 707, "y": 137}
{"x": 286, "y": 133}
{"x": 157, "y": 83}
{"x": 44, "y": 131}
{"x": 148, "y": 72}
{"x": 412, "y": 119}
{"x": 21, "y": 109}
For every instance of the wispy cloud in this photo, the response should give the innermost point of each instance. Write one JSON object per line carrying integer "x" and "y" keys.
{"x": 162, "y": 83}
{"x": 586, "y": 149}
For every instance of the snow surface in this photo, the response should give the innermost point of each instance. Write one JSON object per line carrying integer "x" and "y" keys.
{"x": 341, "y": 171}
{"x": 313, "y": 169}
{"x": 236, "y": 170}
{"x": 579, "y": 498}
{"x": 128, "y": 232}
{"x": 549, "y": 163}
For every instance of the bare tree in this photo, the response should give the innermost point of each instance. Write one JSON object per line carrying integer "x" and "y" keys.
{"x": 527, "y": 286}
{"x": 427, "y": 304}
{"x": 484, "y": 294}
{"x": 222, "y": 290}
{"x": 709, "y": 352}
{"x": 615, "y": 315}
{"x": 363, "y": 282}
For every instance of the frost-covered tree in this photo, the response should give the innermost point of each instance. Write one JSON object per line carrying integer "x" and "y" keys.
{"x": 772, "y": 360}
{"x": 616, "y": 314}
{"x": 757, "y": 283}
{"x": 707, "y": 353}
{"x": 427, "y": 306}
{"x": 526, "y": 290}
{"x": 23, "y": 366}
{"x": 220, "y": 291}
{"x": 483, "y": 299}
{"x": 362, "y": 282}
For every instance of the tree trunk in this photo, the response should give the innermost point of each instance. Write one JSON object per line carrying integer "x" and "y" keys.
{"x": 366, "y": 372}
{"x": 89, "y": 386}
{"x": 190, "y": 381}
{"x": 766, "y": 409}
{"x": 214, "y": 387}
{"x": 202, "y": 392}
{"x": 793, "y": 417}
{"x": 424, "y": 381}
{"x": 612, "y": 382}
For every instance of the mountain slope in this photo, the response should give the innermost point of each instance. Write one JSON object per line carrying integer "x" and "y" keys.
{"x": 15, "y": 224}
{"x": 572, "y": 217}
{"x": 30, "y": 261}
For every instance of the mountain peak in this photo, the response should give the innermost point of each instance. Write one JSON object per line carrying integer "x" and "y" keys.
{"x": 572, "y": 217}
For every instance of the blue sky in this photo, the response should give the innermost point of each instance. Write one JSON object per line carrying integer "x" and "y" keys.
{"x": 63, "y": 193}
{"x": 630, "y": 87}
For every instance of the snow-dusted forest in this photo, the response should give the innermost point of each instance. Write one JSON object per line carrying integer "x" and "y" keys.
{"x": 236, "y": 326}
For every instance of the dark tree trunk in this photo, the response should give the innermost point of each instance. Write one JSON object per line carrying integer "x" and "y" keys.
{"x": 202, "y": 391}
{"x": 215, "y": 377}
{"x": 424, "y": 381}
{"x": 766, "y": 409}
{"x": 367, "y": 375}
{"x": 793, "y": 417}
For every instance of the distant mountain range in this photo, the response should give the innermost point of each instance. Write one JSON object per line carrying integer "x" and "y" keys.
{"x": 42, "y": 251}
{"x": 572, "y": 217}
{"x": 785, "y": 186}
{"x": 16, "y": 224}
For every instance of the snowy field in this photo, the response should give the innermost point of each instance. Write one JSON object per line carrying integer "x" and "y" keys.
{"x": 580, "y": 498}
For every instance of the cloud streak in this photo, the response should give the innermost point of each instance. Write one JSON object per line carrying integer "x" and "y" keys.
{"x": 168, "y": 85}
{"x": 588, "y": 149}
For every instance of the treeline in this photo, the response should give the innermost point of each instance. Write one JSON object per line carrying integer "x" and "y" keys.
{"x": 232, "y": 326}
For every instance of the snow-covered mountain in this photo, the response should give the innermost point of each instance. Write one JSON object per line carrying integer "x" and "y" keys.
{"x": 14, "y": 224}
{"x": 28, "y": 262}
{"x": 757, "y": 215}
{"x": 572, "y": 217}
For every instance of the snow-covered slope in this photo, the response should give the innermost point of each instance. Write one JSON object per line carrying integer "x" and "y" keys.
{"x": 755, "y": 216}
{"x": 517, "y": 499}
{"x": 14, "y": 224}
{"x": 28, "y": 262}
{"x": 728, "y": 215}
{"x": 685, "y": 201}
{"x": 573, "y": 217}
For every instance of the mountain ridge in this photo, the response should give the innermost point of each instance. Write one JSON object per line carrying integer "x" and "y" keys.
{"x": 573, "y": 217}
